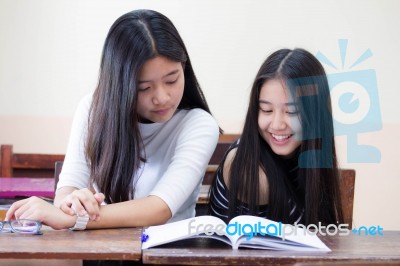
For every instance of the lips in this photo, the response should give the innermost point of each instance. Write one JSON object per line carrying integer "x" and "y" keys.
{"x": 162, "y": 111}
{"x": 281, "y": 137}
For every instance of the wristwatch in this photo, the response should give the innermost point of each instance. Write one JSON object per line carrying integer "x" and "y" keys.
{"x": 81, "y": 222}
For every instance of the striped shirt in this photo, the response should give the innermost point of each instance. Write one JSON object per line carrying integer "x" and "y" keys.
{"x": 219, "y": 204}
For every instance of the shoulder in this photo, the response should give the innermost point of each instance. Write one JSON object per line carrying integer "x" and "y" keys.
{"x": 84, "y": 104}
{"x": 226, "y": 172}
{"x": 197, "y": 114}
{"x": 197, "y": 119}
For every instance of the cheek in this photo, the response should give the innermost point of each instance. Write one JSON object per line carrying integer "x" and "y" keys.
{"x": 263, "y": 127}
{"x": 180, "y": 89}
{"x": 141, "y": 104}
{"x": 295, "y": 125}
{"x": 262, "y": 122}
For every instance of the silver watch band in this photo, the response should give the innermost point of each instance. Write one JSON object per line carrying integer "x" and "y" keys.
{"x": 81, "y": 222}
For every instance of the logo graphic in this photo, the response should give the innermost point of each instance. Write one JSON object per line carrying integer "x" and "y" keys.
{"x": 355, "y": 105}
{"x": 277, "y": 229}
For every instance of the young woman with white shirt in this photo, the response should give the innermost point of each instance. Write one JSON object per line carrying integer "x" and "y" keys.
{"x": 139, "y": 146}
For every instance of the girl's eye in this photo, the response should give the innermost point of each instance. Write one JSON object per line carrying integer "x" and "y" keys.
{"x": 172, "y": 82}
{"x": 292, "y": 112}
{"x": 265, "y": 110}
{"x": 144, "y": 89}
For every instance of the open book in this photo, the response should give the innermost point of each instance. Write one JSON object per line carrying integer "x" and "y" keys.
{"x": 242, "y": 231}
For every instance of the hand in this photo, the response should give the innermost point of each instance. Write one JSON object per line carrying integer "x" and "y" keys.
{"x": 83, "y": 202}
{"x": 35, "y": 208}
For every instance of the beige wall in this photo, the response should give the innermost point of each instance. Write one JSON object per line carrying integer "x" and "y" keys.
{"x": 50, "y": 50}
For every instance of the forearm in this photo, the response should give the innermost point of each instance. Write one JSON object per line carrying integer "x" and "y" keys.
{"x": 151, "y": 210}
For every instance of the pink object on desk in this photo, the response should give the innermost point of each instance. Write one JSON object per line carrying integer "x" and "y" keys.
{"x": 25, "y": 187}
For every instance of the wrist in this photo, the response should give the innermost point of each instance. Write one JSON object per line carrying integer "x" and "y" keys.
{"x": 79, "y": 222}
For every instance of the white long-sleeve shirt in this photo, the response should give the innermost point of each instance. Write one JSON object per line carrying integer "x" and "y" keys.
{"x": 177, "y": 153}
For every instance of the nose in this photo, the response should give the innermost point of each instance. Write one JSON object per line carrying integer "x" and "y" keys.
{"x": 278, "y": 121}
{"x": 160, "y": 96}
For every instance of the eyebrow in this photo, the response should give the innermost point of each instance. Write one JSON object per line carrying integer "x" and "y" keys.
{"x": 268, "y": 102}
{"x": 173, "y": 72}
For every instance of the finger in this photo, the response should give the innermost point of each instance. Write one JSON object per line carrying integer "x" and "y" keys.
{"x": 77, "y": 207}
{"x": 78, "y": 200}
{"x": 13, "y": 208}
{"x": 65, "y": 206}
{"x": 27, "y": 207}
{"x": 89, "y": 203}
{"x": 26, "y": 212}
{"x": 99, "y": 197}
{"x": 100, "y": 201}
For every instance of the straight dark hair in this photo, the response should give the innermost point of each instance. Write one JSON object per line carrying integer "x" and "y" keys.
{"x": 114, "y": 144}
{"x": 318, "y": 197}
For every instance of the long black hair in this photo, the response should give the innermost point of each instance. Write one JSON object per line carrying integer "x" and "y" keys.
{"x": 315, "y": 191}
{"x": 113, "y": 146}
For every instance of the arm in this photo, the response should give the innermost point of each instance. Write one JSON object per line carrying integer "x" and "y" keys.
{"x": 75, "y": 172}
{"x": 140, "y": 212}
{"x": 191, "y": 145}
{"x": 61, "y": 194}
{"x": 83, "y": 201}
{"x": 113, "y": 215}
{"x": 179, "y": 185}
{"x": 227, "y": 166}
{"x": 196, "y": 142}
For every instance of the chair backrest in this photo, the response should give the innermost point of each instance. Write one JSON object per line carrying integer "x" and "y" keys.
{"x": 223, "y": 144}
{"x": 346, "y": 185}
{"x": 57, "y": 171}
{"x": 25, "y": 164}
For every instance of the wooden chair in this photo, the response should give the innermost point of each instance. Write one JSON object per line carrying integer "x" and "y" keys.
{"x": 346, "y": 186}
{"x": 57, "y": 171}
{"x": 222, "y": 146}
{"x": 25, "y": 164}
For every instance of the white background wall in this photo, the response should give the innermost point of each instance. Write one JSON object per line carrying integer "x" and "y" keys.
{"x": 50, "y": 52}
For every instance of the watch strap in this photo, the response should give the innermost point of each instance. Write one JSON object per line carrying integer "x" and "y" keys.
{"x": 81, "y": 222}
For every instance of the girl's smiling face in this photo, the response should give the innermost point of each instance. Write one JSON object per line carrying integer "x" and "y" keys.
{"x": 278, "y": 118}
{"x": 160, "y": 89}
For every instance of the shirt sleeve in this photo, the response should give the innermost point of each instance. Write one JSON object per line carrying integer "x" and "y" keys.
{"x": 75, "y": 171}
{"x": 196, "y": 142}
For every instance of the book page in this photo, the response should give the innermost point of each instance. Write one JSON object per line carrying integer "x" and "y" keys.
{"x": 273, "y": 243}
{"x": 247, "y": 231}
{"x": 197, "y": 226}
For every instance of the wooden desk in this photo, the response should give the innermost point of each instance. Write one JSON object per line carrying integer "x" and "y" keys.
{"x": 105, "y": 244}
{"x": 352, "y": 248}
{"x": 11, "y": 187}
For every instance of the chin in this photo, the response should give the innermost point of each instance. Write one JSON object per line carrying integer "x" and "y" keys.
{"x": 284, "y": 154}
{"x": 161, "y": 119}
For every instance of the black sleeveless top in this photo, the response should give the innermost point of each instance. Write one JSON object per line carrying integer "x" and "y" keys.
{"x": 219, "y": 205}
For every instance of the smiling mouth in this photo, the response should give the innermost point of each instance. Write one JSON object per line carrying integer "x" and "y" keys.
{"x": 281, "y": 137}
